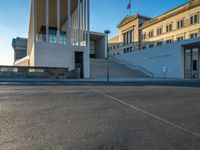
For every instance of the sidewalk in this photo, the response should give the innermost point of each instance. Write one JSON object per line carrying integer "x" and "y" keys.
{"x": 94, "y": 80}
{"x": 103, "y": 81}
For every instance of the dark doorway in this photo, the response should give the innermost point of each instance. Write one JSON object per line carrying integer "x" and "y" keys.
{"x": 79, "y": 62}
{"x": 192, "y": 63}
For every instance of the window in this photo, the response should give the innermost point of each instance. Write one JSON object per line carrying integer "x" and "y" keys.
{"x": 144, "y": 36}
{"x": 128, "y": 50}
{"x": 159, "y": 43}
{"x": 151, "y": 34}
{"x": 131, "y": 49}
{"x": 159, "y": 31}
{"x": 169, "y": 28}
{"x": 144, "y": 47}
{"x": 181, "y": 38}
{"x": 194, "y": 19}
{"x": 180, "y": 24}
{"x": 193, "y": 35}
{"x": 151, "y": 45}
{"x": 169, "y": 41}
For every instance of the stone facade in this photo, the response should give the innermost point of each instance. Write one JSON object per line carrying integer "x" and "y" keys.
{"x": 179, "y": 24}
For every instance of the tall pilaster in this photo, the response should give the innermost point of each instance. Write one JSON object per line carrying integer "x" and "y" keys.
{"x": 79, "y": 21}
{"x": 47, "y": 20}
{"x": 58, "y": 20}
{"x": 88, "y": 23}
{"x": 35, "y": 19}
{"x": 69, "y": 23}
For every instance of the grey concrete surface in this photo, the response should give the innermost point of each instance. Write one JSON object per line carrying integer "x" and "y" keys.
{"x": 99, "y": 118}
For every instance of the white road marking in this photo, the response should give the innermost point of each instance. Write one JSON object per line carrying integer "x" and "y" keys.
{"x": 148, "y": 113}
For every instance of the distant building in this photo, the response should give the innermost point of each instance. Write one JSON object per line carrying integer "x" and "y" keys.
{"x": 168, "y": 45}
{"x": 20, "y": 48}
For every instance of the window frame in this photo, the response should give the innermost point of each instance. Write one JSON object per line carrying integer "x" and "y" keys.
{"x": 151, "y": 34}
{"x": 160, "y": 31}
{"x": 192, "y": 18}
{"x": 180, "y": 23}
{"x": 168, "y": 29}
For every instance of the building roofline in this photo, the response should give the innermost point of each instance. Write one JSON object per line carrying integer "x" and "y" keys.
{"x": 163, "y": 16}
{"x": 97, "y": 33}
{"x": 128, "y": 19}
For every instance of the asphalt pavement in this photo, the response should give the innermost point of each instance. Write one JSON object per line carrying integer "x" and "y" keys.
{"x": 106, "y": 117}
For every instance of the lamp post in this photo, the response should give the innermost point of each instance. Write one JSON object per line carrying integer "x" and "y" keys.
{"x": 108, "y": 56}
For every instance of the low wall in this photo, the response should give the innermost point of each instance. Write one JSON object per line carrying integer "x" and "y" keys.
{"x": 166, "y": 61}
{"x": 33, "y": 72}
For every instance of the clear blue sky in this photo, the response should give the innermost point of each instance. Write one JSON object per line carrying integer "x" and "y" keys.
{"x": 105, "y": 14}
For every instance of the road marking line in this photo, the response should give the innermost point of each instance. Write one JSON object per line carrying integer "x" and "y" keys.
{"x": 148, "y": 113}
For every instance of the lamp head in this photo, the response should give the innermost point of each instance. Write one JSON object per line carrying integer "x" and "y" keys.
{"x": 107, "y": 31}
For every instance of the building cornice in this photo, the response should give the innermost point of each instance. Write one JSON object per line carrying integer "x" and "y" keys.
{"x": 185, "y": 7}
{"x": 129, "y": 19}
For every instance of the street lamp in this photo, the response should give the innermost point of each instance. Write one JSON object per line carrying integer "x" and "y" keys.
{"x": 108, "y": 55}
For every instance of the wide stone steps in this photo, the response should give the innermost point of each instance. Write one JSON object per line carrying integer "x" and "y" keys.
{"x": 117, "y": 70}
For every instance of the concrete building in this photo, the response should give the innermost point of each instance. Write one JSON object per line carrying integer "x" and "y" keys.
{"x": 20, "y": 48}
{"x": 168, "y": 45}
{"x": 59, "y": 36}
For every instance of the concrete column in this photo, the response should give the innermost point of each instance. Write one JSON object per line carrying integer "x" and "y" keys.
{"x": 47, "y": 20}
{"x": 58, "y": 20}
{"x": 35, "y": 20}
{"x": 85, "y": 21}
{"x": 88, "y": 23}
{"x": 79, "y": 21}
{"x": 69, "y": 23}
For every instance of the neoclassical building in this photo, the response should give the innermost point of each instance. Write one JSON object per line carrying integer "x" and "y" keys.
{"x": 167, "y": 45}
{"x": 59, "y": 36}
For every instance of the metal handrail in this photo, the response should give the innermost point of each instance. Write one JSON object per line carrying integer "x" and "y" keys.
{"x": 51, "y": 39}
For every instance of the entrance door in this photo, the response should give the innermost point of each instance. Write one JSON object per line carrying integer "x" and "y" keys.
{"x": 195, "y": 63}
{"x": 191, "y": 63}
{"x": 79, "y": 62}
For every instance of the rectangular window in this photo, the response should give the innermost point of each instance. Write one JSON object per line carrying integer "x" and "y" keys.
{"x": 144, "y": 36}
{"x": 159, "y": 31}
{"x": 144, "y": 47}
{"x": 159, "y": 43}
{"x": 169, "y": 28}
{"x": 181, "y": 38}
{"x": 131, "y": 49}
{"x": 193, "y": 35}
{"x": 128, "y": 50}
{"x": 180, "y": 24}
{"x": 194, "y": 19}
{"x": 151, "y": 46}
{"x": 169, "y": 41}
{"x": 151, "y": 34}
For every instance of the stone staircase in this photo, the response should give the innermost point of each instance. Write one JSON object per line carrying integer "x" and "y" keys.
{"x": 117, "y": 70}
